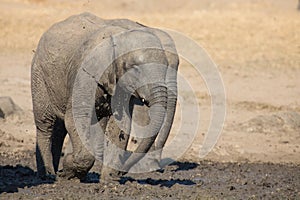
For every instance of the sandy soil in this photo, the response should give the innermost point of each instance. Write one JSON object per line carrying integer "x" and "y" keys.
{"x": 256, "y": 47}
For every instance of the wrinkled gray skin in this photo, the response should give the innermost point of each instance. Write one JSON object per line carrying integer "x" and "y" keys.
{"x": 57, "y": 61}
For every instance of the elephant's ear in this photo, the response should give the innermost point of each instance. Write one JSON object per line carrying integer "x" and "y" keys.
{"x": 101, "y": 64}
{"x": 108, "y": 80}
{"x": 168, "y": 45}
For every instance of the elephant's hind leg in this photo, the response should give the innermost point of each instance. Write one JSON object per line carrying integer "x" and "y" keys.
{"x": 44, "y": 120}
{"x": 44, "y": 159}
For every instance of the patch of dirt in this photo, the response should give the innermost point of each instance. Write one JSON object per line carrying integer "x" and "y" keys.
{"x": 180, "y": 180}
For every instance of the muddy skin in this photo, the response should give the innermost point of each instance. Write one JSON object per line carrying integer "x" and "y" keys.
{"x": 180, "y": 180}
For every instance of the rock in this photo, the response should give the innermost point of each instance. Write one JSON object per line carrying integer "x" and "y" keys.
{"x": 279, "y": 122}
{"x": 8, "y": 107}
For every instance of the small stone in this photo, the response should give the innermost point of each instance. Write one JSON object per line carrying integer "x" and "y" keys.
{"x": 198, "y": 180}
{"x": 8, "y": 107}
{"x": 232, "y": 188}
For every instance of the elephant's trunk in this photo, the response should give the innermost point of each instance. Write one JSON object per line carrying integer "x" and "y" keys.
{"x": 157, "y": 102}
{"x": 171, "y": 107}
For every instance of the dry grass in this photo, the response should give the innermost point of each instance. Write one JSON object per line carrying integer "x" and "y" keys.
{"x": 235, "y": 33}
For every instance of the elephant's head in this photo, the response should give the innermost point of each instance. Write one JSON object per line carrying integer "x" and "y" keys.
{"x": 140, "y": 71}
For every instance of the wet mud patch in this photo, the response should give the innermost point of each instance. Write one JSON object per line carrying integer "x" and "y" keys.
{"x": 180, "y": 180}
{"x": 14, "y": 177}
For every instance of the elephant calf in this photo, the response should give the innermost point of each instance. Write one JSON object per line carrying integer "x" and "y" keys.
{"x": 89, "y": 71}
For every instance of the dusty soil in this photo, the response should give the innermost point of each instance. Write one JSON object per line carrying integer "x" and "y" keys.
{"x": 180, "y": 180}
{"x": 255, "y": 44}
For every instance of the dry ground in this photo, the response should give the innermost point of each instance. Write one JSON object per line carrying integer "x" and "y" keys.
{"x": 255, "y": 44}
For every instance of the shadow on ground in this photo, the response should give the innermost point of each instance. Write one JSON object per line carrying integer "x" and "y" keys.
{"x": 183, "y": 180}
{"x": 14, "y": 177}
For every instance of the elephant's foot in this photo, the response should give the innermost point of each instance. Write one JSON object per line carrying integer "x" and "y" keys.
{"x": 146, "y": 164}
{"x": 77, "y": 165}
{"x": 45, "y": 168}
{"x": 150, "y": 165}
{"x": 110, "y": 175}
{"x": 47, "y": 173}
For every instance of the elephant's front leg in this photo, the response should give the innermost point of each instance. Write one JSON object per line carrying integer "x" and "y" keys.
{"x": 80, "y": 161}
{"x": 115, "y": 144}
{"x": 151, "y": 160}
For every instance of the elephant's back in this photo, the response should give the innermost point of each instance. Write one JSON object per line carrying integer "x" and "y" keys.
{"x": 54, "y": 55}
{"x": 62, "y": 39}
